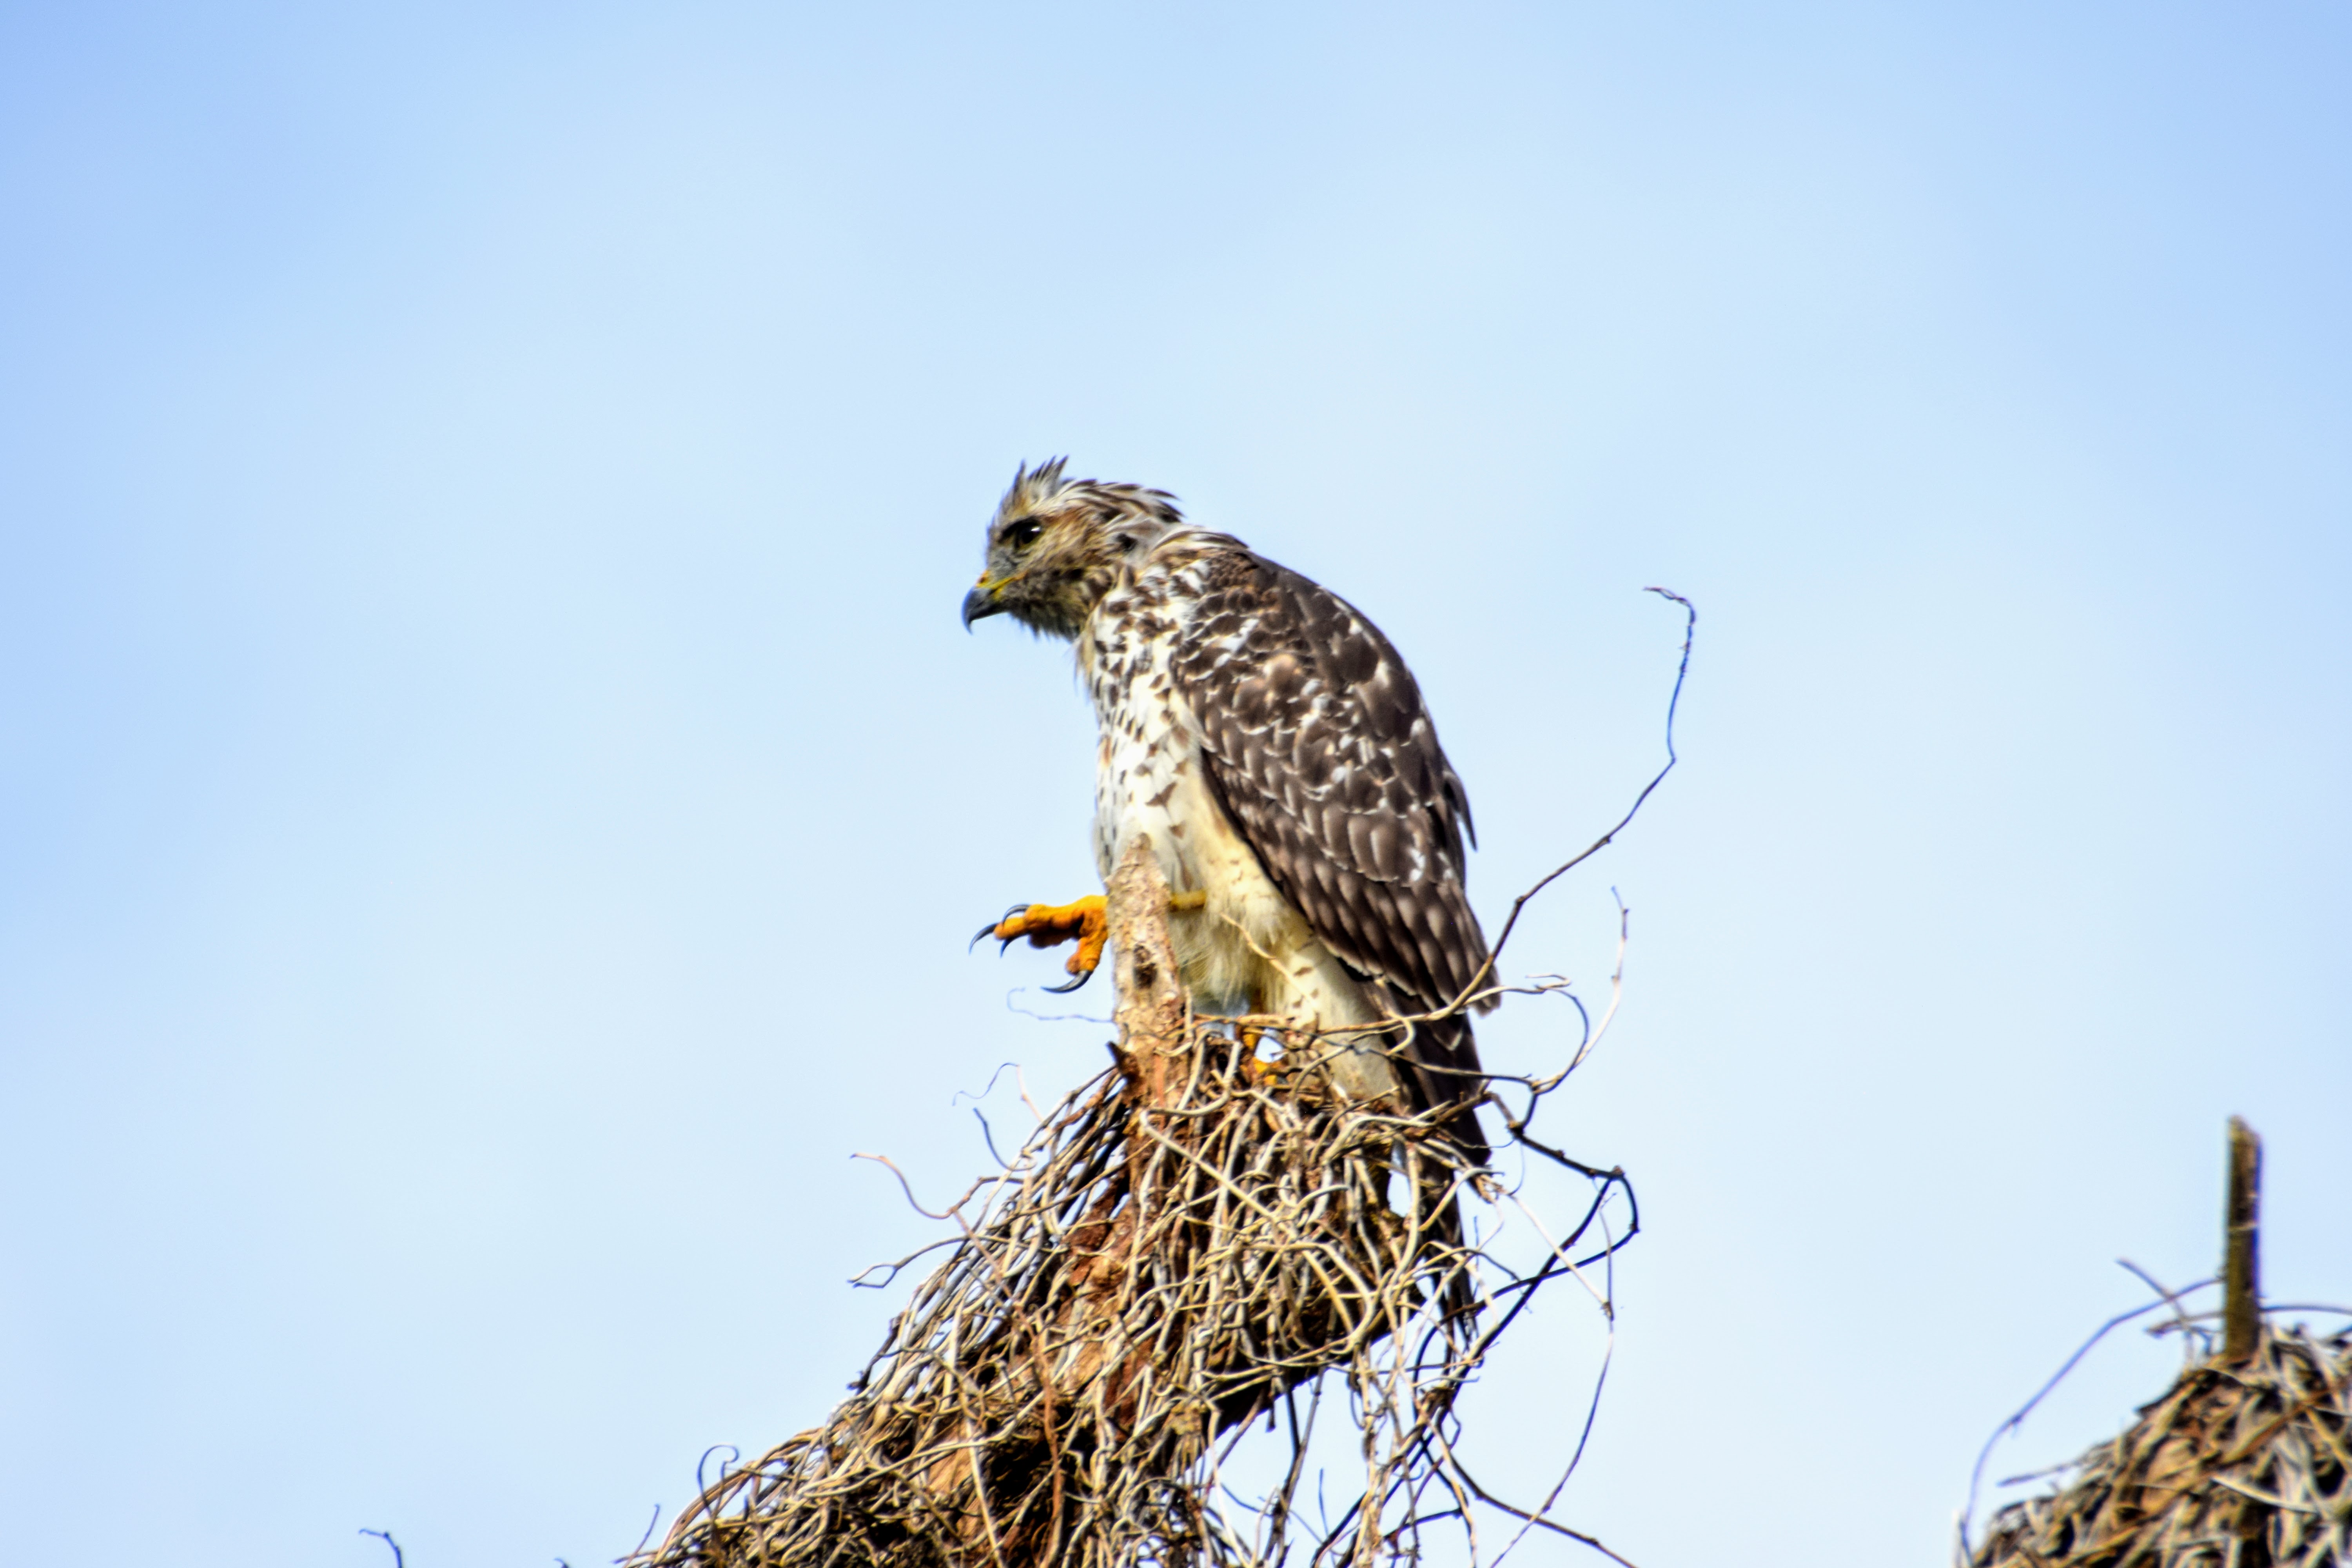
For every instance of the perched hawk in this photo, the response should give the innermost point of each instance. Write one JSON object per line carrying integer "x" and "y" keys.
{"x": 1276, "y": 751}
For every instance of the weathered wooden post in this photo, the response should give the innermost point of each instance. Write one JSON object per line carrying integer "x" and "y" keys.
{"x": 2242, "y": 1289}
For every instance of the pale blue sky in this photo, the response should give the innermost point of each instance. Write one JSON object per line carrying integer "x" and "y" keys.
{"x": 494, "y": 791}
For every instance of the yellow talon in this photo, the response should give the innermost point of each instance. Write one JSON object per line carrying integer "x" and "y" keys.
{"x": 1087, "y": 922}
{"x": 1262, "y": 1071}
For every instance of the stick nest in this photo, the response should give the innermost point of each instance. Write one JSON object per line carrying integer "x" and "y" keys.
{"x": 2236, "y": 1466}
{"x": 1174, "y": 1261}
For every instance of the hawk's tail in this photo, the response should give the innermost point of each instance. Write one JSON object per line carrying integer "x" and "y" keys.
{"x": 1443, "y": 1062}
{"x": 1443, "y": 1072}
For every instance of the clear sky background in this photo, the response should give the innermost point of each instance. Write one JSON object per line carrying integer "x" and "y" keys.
{"x": 493, "y": 792}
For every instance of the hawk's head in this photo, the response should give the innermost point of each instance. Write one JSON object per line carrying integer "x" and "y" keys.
{"x": 1057, "y": 546}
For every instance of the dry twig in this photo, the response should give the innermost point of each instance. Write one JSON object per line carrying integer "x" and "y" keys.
{"x": 1185, "y": 1245}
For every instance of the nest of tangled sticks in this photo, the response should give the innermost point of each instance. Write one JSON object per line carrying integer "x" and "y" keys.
{"x": 2245, "y": 1462}
{"x": 2238, "y": 1466}
{"x": 1175, "y": 1260}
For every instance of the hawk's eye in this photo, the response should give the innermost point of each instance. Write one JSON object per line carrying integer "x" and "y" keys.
{"x": 1024, "y": 534}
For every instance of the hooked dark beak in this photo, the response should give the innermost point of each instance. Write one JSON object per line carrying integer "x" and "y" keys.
{"x": 979, "y": 605}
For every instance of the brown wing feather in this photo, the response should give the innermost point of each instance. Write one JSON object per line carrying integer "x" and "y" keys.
{"x": 1322, "y": 752}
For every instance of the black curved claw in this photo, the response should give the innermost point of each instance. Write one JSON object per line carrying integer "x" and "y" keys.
{"x": 990, "y": 930}
{"x": 1073, "y": 985}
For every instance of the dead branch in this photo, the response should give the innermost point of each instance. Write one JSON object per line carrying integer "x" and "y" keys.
{"x": 1186, "y": 1245}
